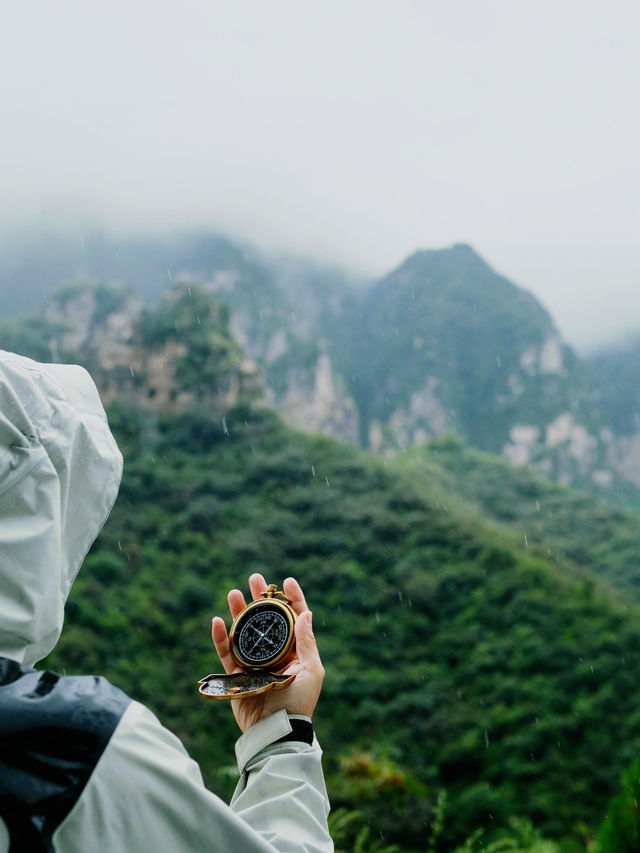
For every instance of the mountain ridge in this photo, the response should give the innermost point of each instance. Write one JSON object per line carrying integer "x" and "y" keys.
{"x": 442, "y": 342}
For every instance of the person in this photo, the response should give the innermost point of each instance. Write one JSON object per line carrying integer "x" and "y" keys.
{"x": 83, "y": 767}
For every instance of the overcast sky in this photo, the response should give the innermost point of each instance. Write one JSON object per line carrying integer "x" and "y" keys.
{"x": 356, "y": 130}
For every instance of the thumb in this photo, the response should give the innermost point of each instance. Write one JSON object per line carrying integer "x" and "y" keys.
{"x": 306, "y": 645}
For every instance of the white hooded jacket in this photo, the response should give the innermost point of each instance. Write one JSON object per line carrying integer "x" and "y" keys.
{"x": 84, "y": 768}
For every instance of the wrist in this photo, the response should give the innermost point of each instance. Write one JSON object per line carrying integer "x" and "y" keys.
{"x": 276, "y": 728}
{"x": 301, "y": 730}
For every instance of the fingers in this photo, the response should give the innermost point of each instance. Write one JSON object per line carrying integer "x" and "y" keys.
{"x": 257, "y": 585}
{"x": 306, "y": 645}
{"x": 295, "y": 595}
{"x": 236, "y": 602}
{"x": 221, "y": 642}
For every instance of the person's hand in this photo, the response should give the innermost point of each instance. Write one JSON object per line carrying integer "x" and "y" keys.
{"x": 301, "y": 695}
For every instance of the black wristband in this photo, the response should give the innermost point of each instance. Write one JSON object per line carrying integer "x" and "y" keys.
{"x": 301, "y": 730}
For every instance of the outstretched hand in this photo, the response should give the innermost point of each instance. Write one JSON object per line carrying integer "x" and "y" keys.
{"x": 301, "y": 695}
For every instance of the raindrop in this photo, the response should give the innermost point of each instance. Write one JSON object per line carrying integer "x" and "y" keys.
{"x": 131, "y": 369}
{"x": 486, "y": 738}
{"x": 326, "y": 479}
{"x": 153, "y": 459}
{"x": 526, "y": 541}
{"x": 313, "y": 471}
{"x": 119, "y": 545}
{"x": 538, "y": 506}
{"x": 198, "y": 319}
{"x": 224, "y": 427}
{"x": 400, "y": 598}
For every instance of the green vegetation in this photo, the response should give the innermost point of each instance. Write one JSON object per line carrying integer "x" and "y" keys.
{"x": 192, "y": 318}
{"x": 108, "y": 297}
{"x": 301, "y": 356}
{"x": 547, "y": 518}
{"x": 615, "y": 373}
{"x": 455, "y": 659}
{"x": 31, "y": 337}
{"x": 620, "y": 831}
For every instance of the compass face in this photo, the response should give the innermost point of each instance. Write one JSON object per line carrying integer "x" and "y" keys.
{"x": 262, "y": 635}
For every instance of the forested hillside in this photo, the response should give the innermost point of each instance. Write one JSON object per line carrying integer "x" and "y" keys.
{"x": 456, "y": 660}
{"x": 536, "y": 512}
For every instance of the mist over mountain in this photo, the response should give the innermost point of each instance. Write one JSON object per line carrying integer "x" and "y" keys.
{"x": 441, "y": 343}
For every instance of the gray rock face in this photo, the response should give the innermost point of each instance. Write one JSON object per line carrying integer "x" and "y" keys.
{"x": 110, "y": 341}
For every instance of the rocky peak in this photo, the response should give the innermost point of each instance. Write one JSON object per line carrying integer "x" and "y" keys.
{"x": 170, "y": 356}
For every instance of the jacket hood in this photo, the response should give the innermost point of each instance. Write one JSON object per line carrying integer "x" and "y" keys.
{"x": 60, "y": 470}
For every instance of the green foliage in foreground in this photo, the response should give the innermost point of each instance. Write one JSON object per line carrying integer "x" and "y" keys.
{"x": 620, "y": 831}
{"x": 456, "y": 660}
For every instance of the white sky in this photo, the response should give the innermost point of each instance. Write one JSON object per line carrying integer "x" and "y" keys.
{"x": 357, "y": 130}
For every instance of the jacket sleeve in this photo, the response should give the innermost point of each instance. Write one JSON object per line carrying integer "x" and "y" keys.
{"x": 146, "y": 793}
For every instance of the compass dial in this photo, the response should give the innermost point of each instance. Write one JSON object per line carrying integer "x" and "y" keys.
{"x": 263, "y": 634}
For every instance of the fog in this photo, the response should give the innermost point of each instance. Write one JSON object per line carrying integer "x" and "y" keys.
{"x": 355, "y": 131}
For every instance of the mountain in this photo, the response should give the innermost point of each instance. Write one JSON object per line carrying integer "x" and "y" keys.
{"x": 280, "y": 305}
{"x": 441, "y": 343}
{"x": 615, "y": 372}
{"x": 450, "y": 344}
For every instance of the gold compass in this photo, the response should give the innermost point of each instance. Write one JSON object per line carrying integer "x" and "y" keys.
{"x": 262, "y": 639}
{"x": 262, "y": 635}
